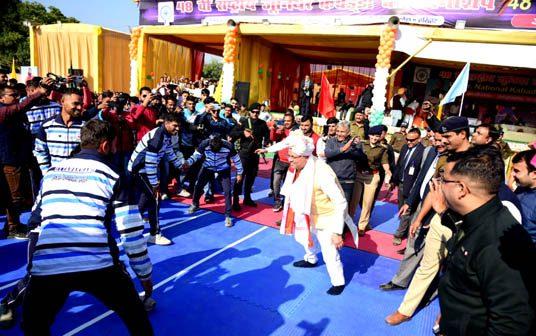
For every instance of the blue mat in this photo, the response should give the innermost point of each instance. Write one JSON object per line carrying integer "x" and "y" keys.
{"x": 248, "y": 289}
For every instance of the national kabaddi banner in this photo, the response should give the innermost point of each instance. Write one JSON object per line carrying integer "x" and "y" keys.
{"x": 503, "y": 14}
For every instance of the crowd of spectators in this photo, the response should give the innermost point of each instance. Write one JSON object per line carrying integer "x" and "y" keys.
{"x": 466, "y": 218}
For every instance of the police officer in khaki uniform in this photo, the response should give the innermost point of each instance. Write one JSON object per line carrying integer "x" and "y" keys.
{"x": 359, "y": 128}
{"x": 428, "y": 140}
{"x": 398, "y": 139}
{"x": 505, "y": 149}
{"x": 368, "y": 177}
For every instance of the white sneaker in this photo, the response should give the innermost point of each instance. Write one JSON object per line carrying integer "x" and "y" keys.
{"x": 184, "y": 193}
{"x": 228, "y": 222}
{"x": 158, "y": 239}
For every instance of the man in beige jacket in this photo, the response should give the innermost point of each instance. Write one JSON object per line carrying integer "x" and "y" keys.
{"x": 315, "y": 206}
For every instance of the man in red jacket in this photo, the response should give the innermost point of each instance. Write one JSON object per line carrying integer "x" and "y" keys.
{"x": 143, "y": 116}
{"x": 112, "y": 109}
{"x": 281, "y": 164}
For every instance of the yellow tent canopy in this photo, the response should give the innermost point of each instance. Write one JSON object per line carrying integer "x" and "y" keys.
{"x": 101, "y": 53}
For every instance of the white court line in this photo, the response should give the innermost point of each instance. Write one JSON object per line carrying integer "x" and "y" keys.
{"x": 170, "y": 278}
{"x": 119, "y": 243}
{"x": 9, "y": 285}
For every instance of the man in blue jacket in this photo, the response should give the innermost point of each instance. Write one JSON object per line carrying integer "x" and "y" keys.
{"x": 524, "y": 173}
{"x": 216, "y": 154}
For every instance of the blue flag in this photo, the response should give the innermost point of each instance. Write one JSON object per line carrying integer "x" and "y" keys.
{"x": 459, "y": 87}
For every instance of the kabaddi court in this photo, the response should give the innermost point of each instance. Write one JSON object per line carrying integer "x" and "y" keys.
{"x": 215, "y": 280}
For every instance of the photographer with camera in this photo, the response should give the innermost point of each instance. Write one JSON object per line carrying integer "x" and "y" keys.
{"x": 143, "y": 117}
{"x": 113, "y": 109}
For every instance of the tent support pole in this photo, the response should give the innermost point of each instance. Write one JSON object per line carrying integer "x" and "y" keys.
{"x": 393, "y": 73}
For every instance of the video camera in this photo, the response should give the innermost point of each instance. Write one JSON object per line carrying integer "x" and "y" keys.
{"x": 77, "y": 76}
{"x": 58, "y": 83}
{"x": 120, "y": 102}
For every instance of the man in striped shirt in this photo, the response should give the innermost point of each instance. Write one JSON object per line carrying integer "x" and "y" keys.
{"x": 59, "y": 136}
{"x": 143, "y": 165}
{"x": 43, "y": 110}
{"x": 217, "y": 154}
{"x": 78, "y": 201}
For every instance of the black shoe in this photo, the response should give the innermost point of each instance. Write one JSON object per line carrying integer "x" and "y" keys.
{"x": 17, "y": 235}
{"x": 335, "y": 290}
{"x": 271, "y": 194}
{"x": 7, "y": 317}
{"x": 236, "y": 206}
{"x": 278, "y": 206}
{"x": 209, "y": 199}
{"x": 361, "y": 233}
{"x": 250, "y": 203}
{"x": 303, "y": 264}
{"x": 390, "y": 286}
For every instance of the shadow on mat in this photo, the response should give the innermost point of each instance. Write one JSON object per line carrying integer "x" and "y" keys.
{"x": 314, "y": 329}
{"x": 228, "y": 289}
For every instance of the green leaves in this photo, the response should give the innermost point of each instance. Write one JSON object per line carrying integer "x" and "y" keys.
{"x": 14, "y": 34}
{"x": 212, "y": 69}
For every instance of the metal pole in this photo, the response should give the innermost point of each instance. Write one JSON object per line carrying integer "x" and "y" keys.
{"x": 409, "y": 58}
{"x": 461, "y": 105}
{"x": 391, "y": 76}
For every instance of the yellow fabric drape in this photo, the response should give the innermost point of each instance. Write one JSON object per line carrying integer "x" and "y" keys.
{"x": 101, "y": 53}
{"x": 252, "y": 54}
{"x": 165, "y": 57}
{"x": 56, "y": 47}
{"x": 115, "y": 61}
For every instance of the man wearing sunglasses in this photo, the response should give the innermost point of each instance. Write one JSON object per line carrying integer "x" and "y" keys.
{"x": 398, "y": 140}
{"x": 404, "y": 176}
{"x": 249, "y": 135}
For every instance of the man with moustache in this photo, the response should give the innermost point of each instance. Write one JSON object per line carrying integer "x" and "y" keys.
{"x": 488, "y": 285}
{"x": 524, "y": 174}
{"x": 59, "y": 136}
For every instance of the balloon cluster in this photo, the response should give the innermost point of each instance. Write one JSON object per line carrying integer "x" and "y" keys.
{"x": 383, "y": 63}
{"x": 230, "y": 53}
{"x": 387, "y": 44}
{"x": 133, "y": 45}
{"x": 230, "y": 48}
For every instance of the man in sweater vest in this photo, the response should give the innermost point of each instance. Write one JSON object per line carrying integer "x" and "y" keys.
{"x": 315, "y": 209}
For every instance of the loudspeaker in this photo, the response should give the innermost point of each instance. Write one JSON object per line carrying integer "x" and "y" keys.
{"x": 242, "y": 92}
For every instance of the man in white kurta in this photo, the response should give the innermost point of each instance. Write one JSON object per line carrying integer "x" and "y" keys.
{"x": 315, "y": 206}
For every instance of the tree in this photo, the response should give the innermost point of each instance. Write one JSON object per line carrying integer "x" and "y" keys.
{"x": 212, "y": 69}
{"x": 14, "y": 35}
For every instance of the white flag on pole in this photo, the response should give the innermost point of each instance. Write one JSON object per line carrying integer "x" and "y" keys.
{"x": 459, "y": 87}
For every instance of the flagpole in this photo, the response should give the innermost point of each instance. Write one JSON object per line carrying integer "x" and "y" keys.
{"x": 461, "y": 105}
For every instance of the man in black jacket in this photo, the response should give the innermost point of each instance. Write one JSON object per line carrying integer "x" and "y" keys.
{"x": 404, "y": 176}
{"x": 306, "y": 93}
{"x": 488, "y": 285}
{"x": 251, "y": 134}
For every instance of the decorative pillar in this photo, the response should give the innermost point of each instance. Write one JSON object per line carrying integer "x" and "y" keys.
{"x": 383, "y": 63}
{"x": 133, "y": 55}
{"x": 230, "y": 53}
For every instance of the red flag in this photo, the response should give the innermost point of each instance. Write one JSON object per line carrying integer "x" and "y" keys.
{"x": 326, "y": 105}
